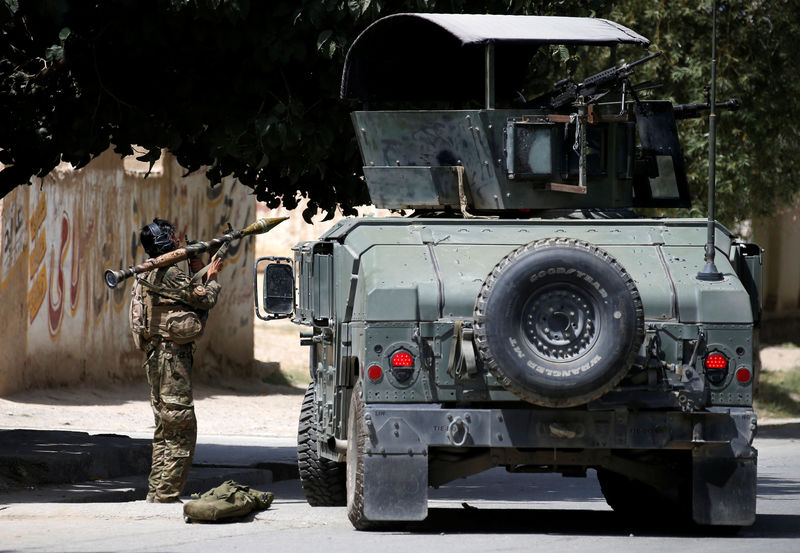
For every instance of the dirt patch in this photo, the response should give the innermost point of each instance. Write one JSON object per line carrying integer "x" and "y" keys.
{"x": 241, "y": 409}
{"x": 780, "y": 358}
{"x": 279, "y": 357}
{"x": 256, "y": 407}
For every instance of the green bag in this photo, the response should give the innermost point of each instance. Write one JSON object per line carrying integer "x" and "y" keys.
{"x": 230, "y": 500}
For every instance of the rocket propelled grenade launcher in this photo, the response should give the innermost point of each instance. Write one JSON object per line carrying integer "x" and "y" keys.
{"x": 112, "y": 278}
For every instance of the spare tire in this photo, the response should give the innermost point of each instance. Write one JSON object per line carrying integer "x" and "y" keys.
{"x": 558, "y": 322}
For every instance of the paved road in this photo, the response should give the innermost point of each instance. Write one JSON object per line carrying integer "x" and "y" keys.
{"x": 505, "y": 513}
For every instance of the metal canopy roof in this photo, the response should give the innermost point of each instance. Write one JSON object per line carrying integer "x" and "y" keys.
{"x": 472, "y": 29}
{"x": 430, "y": 56}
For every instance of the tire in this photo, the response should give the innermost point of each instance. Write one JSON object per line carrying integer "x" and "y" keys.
{"x": 558, "y": 322}
{"x": 323, "y": 480}
{"x": 356, "y": 444}
{"x": 627, "y": 497}
{"x": 643, "y": 504}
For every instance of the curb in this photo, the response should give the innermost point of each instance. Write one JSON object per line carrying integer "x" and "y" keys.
{"x": 57, "y": 466}
{"x": 37, "y": 457}
{"x": 785, "y": 429}
{"x": 134, "y": 487}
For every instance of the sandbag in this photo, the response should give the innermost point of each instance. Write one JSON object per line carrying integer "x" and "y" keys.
{"x": 227, "y": 502}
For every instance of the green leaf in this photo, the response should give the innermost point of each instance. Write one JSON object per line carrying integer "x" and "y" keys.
{"x": 152, "y": 155}
{"x": 358, "y": 7}
{"x": 12, "y": 6}
{"x": 123, "y": 150}
{"x": 323, "y": 38}
{"x": 54, "y": 54}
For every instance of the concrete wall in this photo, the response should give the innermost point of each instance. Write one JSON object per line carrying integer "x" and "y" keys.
{"x": 61, "y": 324}
{"x": 780, "y": 237}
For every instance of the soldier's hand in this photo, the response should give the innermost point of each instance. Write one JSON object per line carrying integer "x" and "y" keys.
{"x": 214, "y": 270}
{"x": 195, "y": 264}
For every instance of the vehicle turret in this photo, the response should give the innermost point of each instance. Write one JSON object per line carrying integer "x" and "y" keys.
{"x": 572, "y": 149}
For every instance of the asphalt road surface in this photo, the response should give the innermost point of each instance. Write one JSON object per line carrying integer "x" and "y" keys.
{"x": 493, "y": 511}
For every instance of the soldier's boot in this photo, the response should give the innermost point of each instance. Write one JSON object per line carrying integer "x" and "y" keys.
{"x": 157, "y": 467}
{"x": 174, "y": 476}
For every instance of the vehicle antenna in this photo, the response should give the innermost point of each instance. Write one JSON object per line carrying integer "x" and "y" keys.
{"x": 490, "y": 75}
{"x": 710, "y": 272}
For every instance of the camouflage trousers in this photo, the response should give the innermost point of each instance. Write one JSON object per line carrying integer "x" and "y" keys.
{"x": 169, "y": 372}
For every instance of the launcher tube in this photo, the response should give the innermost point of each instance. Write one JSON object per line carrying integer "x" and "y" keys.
{"x": 112, "y": 278}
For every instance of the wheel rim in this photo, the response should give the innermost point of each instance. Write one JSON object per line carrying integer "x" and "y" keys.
{"x": 561, "y": 322}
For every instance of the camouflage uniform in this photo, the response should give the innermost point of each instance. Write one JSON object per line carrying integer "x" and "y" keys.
{"x": 169, "y": 373}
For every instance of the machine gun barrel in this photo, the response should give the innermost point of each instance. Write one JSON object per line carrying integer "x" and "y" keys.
{"x": 690, "y": 111}
{"x": 567, "y": 90}
{"x": 613, "y": 74}
{"x": 112, "y": 278}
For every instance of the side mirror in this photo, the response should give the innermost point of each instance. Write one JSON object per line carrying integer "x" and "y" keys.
{"x": 277, "y": 288}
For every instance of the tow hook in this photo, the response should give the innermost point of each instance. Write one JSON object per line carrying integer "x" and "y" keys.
{"x": 458, "y": 432}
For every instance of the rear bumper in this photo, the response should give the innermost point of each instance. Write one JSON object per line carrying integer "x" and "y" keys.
{"x": 723, "y": 461}
{"x": 412, "y": 429}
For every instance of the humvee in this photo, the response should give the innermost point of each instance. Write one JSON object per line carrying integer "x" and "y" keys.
{"x": 523, "y": 316}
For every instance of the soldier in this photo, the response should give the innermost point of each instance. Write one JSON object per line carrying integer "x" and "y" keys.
{"x": 174, "y": 308}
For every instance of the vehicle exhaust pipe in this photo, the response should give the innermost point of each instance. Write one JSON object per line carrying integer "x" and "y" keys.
{"x": 337, "y": 445}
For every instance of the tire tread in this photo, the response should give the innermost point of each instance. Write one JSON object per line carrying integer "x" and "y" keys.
{"x": 480, "y": 337}
{"x": 323, "y": 481}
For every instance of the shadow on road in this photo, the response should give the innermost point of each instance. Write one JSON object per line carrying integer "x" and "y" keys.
{"x": 586, "y": 522}
{"x": 772, "y": 486}
{"x": 45, "y": 466}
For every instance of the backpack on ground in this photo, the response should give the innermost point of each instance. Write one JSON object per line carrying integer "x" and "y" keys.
{"x": 226, "y": 502}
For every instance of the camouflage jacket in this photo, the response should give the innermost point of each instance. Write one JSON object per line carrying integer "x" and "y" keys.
{"x": 198, "y": 297}
{"x": 177, "y": 308}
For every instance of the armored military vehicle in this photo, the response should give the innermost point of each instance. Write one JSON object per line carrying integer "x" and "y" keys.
{"x": 523, "y": 316}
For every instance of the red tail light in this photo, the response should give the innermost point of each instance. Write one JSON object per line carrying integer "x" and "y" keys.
{"x": 402, "y": 363}
{"x": 743, "y": 375}
{"x": 716, "y": 361}
{"x": 375, "y": 372}
{"x": 402, "y": 359}
{"x": 716, "y": 366}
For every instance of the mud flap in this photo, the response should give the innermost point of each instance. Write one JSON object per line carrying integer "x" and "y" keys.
{"x": 724, "y": 490}
{"x": 396, "y": 487}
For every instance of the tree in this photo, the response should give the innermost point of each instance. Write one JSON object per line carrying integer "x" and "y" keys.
{"x": 757, "y": 165}
{"x": 250, "y": 89}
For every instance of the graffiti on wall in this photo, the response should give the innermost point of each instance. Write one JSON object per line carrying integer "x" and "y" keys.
{"x": 55, "y": 305}
{"x": 234, "y": 213}
{"x": 60, "y": 235}
{"x": 57, "y": 239}
{"x": 14, "y": 238}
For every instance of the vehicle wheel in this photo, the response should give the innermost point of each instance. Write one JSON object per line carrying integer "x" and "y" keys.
{"x": 323, "y": 480}
{"x": 559, "y": 322}
{"x": 356, "y": 443}
{"x": 643, "y": 504}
